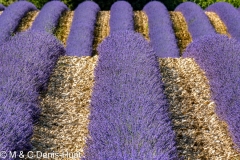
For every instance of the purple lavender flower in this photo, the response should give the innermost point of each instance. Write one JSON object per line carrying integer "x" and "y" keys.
{"x": 26, "y": 62}
{"x": 11, "y": 17}
{"x": 81, "y": 35}
{"x": 229, "y": 15}
{"x": 2, "y": 7}
{"x": 121, "y": 17}
{"x": 47, "y": 20}
{"x": 31, "y": 48}
{"x": 197, "y": 21}
{"x": 219, "y": 57}
{"x": 161, "y": 32}
{"x": 129, "y": 112}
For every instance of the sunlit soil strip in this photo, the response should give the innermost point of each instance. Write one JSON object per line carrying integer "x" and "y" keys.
{"x": 200, "y": 133}
{"x": 141, "y": 23}
{"x": 102, "y": 29}
{"x": 217, "y": 23}
{"x": 63, "y": 124}
{"x": 181, "y": 30}
{"x": 27, "y": 21}
{"x": 64, "y": 26}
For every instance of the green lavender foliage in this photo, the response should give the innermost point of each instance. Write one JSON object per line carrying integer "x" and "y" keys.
{"x": 205, "y": 3}
{"x": 39, "y": 3}
{"x": 7, "y": 2}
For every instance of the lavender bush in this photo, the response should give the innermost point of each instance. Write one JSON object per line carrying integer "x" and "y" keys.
{"x": 81, "y": 35}
{"x": 11, "y": 17}
{"x": 219, "y": 57}
{"x": 121, "y": 17}
{"x": 129, "y": 113}
{"x": 229, "y": 15}
{"x": 161, "y": 33}
{"x": 47, "y": 20}
{"x": 2, "y": 7}
{"x": 26, "y": 62}
{"x": 197, "y": 21}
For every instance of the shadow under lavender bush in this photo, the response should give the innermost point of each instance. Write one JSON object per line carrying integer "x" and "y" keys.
{"x": 2, "y": 7}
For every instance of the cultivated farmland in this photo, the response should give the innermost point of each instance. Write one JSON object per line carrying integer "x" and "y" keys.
{"x": 120, "y": 84}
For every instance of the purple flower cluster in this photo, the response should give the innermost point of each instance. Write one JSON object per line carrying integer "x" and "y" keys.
{"x": 161, "y": 32}
{"x": 81, "y": 35}
{"x": 121, "y": 17}
{"x": 26, "y": 62}
{"x": 2, "y": 7}
{"x": 11, "y": 17}
{"x": 219, "y": 57}
{"x": 129, "y": 112}
{"x": 229, "y": 15}
{"x": 197, "y": 21}
{"x": 47, "y": 20}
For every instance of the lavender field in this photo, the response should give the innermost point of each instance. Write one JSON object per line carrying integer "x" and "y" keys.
{"x": 121, "y": 84}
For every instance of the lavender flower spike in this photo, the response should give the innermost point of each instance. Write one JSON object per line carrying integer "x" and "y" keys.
{"x": 198, "y": 23}
{"x": 161, "y": 33}
{"x": 219, "y": 57}
{"x": 11, "y": 17}
{"x": 80, "y": 39}
{"x": 129, "y": 112}
{"x": 47, "y": 20}
{"x": 229, "y": 15}
{"x": 121, "y": 17}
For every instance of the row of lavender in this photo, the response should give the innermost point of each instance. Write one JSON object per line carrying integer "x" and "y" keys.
{"x": 47, "y": 20}
{"x": 161, "y": 33}
{"x": 30, "y": 57}
{"x": 219, "y": 57}
{"x": 27, "y": 57}
{"x": 83, "y": 25}
{"x": 11, "y": 17}
{"x": 117, "y": 127}
{"x": 129, "y": 112}
{"x": 26, "y": 62}
{"x": 114, "y": 50}
{"x": 160, "y": 26}
{"x": 198, "y": 23}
